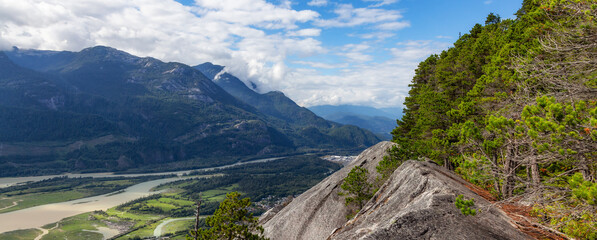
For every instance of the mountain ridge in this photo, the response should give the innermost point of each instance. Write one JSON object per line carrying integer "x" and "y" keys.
{"x": 159, "y": 114}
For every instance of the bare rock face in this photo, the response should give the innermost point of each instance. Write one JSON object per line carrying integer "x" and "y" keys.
{"x": 416, "y": 202}
{"x": 316, "y": 213}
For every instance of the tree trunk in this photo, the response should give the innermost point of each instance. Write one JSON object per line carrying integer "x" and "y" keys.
{"x": 507, "y": 185}
{"x": 448, "y": 164}
{"x": 535, "y": 173}
{"x": 496, "y": 176}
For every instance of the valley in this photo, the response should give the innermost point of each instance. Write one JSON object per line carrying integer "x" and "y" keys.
{"x": 149, "y": 207}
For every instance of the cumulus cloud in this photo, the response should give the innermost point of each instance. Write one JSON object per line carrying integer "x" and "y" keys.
{"x": 356, "y": 52}
{"x": 380, "y": 3}
{"x": 375, "y": 35}
{"x": 317, "y": 3}
{"x": 348, "y": 16}
{"x": 253, "y": 12}
{"x": 321, "y": 65}
{"x": 228, "y": 32}
{"x": 254, "y": 39}
{"x": 382, "y": 84}
{"x": 307, "y": 32}
{"x": 394, "y": 25}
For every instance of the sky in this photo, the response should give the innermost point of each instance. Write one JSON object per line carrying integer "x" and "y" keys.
{"x": 359, "y": 52}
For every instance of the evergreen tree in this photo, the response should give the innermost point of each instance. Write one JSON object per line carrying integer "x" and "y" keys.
{"x": 232, "y": 220}
{"x": 357, "y": 187}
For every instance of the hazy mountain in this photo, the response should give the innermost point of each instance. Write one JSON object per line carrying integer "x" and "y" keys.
{"x": 104, "y": 109}
{"x": 380, "y": 121}
{"x": 331, "y": 110}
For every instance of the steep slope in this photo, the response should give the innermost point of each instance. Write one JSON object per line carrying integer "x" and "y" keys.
{"x": 512, "y": 108}
{"x": 274, "y": 103}
{"x": 309, "y": 129}
{"x": 416, "y": 202}
{"x": 318, "y": 211}
{"x": 122, "y": 111}
{"x": 102, "y": 109}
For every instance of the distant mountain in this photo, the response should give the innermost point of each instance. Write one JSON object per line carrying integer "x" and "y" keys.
{"x": 282, "y": 108}
{"x": 331, "y": 110}
{"x": 274, "y": 103}
{"x": 380, "y": 121}
{"x": 102, "y": 109}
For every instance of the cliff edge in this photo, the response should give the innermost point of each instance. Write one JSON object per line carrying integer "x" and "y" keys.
{"x": 416, "y": 202}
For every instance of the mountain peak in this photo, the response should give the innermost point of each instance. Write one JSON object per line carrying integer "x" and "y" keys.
{"x": 108, "y": 53}
{"x": 210, "y": 70}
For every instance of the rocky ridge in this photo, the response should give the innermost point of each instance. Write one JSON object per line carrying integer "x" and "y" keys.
{"x": 416, "y": 202}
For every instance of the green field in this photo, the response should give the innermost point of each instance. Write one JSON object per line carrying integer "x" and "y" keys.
{"x": 26, "y": 234}
{"x": 178, "y": 226}
{"x": 77, "y": 227}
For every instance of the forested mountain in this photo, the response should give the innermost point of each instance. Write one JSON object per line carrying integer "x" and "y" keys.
{"x": 512, "y": 107}
{"x": 103, "y": 109}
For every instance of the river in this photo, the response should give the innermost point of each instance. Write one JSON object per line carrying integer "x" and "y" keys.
{"x": 6, "y": 182}
{"x": 41, "y": 215}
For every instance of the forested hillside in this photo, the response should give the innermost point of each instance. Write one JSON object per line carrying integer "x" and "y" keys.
{"x": 512, "y": 107}
{"x": 102, "y": 109}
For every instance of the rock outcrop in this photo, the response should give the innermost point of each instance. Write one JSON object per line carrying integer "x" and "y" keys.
{"x": 416, "y": 202}
{"x": 316, "y": 213}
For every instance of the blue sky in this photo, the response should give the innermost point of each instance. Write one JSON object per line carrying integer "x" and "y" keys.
{"x": 360, "y": 52}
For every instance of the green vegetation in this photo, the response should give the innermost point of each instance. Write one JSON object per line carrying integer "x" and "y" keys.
{"x": 465, "y": 206}
{"x": 82, "y": 226}
{"x": 266, "y": 182}
{"x": 583, "y": 190}
{"x": 26, "y": 234}
{"x": 512, "y": 108}
{"x": 61, "y": 189}
{"x": 232, "y": 220}
{"x": 358, "y": 190}
{"x": 126, "y": 116}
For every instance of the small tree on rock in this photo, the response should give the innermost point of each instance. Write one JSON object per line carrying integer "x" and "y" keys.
{"x": 357, "y": 187}
{"x": 232, "y": 220}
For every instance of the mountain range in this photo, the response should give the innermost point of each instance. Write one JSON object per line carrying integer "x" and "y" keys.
{"x": 380, "y": 121}
{"x": 102, "y": 109}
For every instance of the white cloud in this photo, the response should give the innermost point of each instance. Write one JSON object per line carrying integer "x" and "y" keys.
{"x": 382, "y": 84}
{"x": 307, "y": 32}
{"x": 317, "y": 3}
{"x": 253, "y": 12}
{"x": 348, "y": 16}
{"x": 443, "y": 37}
{"x": 394, "y": 25}
{"x": 381, "y": 2}
{"x": 355, "y": 52}
{"x": 322, "y": 65}
{"x": 228, "y": 32}
{"x": 375, "y": 35}
{"x": 488, "y": 2}
{"x": 253, "y": 38}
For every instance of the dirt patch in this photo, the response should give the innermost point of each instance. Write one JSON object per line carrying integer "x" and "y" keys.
{"x": 525, "y": 222}
{"x": 520, "y": 215}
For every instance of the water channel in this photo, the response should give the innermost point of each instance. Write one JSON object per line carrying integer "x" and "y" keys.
{"x": 41, "y": 215}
